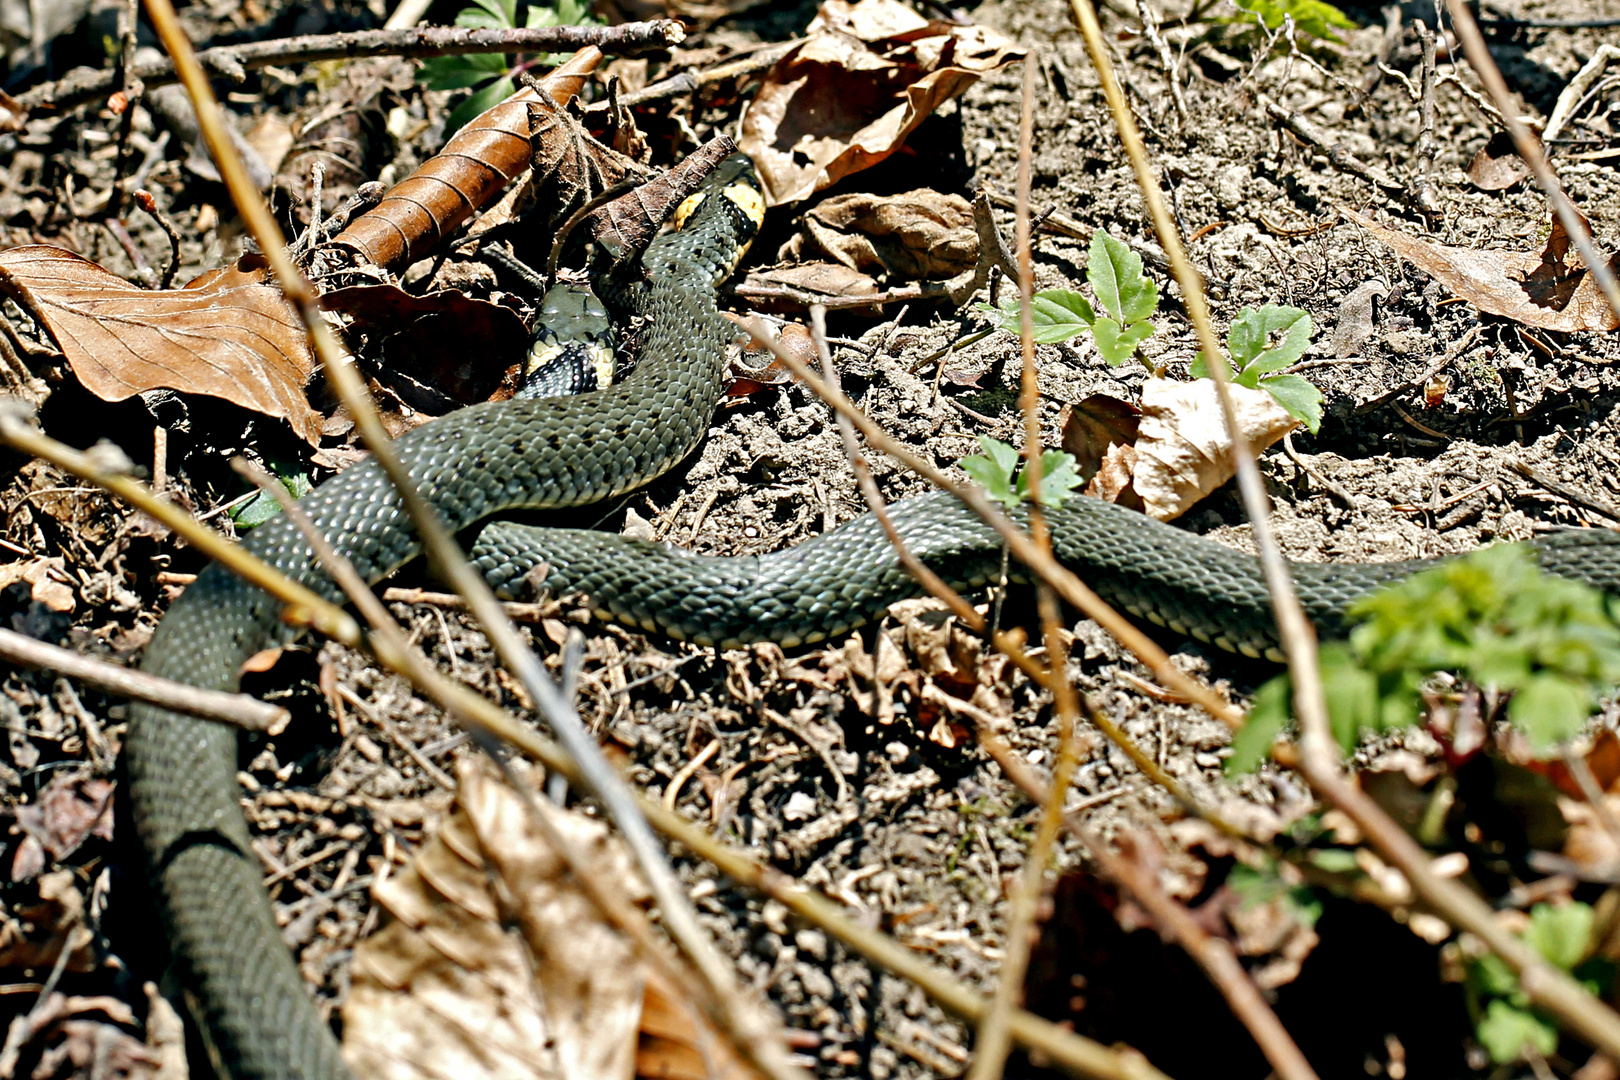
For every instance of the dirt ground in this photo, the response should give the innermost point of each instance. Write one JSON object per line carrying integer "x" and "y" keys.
{"x": 893, "y": 812}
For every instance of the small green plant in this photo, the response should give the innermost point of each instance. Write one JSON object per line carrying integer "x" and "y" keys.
{"x": 263, "y": 506}
{"x": 1262, "y": 342}
{"x": 1125, "y": 294}
{"x": 489, "y": 74}
{"x": 1311, "y": 17}
{"x": 1504, "y": 1022}
{"x": 998, "y": 472}
{"x": 1550, "y": 645}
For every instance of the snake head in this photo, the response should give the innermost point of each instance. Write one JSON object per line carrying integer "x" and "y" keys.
{"x": 729, "y": 202}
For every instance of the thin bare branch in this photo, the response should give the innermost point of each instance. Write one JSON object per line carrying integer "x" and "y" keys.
{"x": 240, "y": 710}
{"x": 84, "y": 85}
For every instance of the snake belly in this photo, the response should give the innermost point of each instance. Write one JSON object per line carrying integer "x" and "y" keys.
{"x": 572, "y": 451}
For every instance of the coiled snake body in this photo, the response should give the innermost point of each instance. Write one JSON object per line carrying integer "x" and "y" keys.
{"x": 252, "y": 1004}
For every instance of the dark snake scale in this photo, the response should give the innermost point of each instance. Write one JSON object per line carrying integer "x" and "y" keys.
{"x": 255, "y": 1010}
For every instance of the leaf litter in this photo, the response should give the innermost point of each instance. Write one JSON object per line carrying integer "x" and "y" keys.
{"x": 946, "y": 835}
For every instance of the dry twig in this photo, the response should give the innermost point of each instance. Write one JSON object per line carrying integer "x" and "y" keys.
{"x": 240, "y": 710}
{"x": 85, "y": 85}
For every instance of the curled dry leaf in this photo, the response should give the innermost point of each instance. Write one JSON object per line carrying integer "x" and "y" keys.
{"x": 1100, "y": 431}
{"x": 1497, "y": 166}
{"x": 445, "y": 989}
{"x": 1549, "y": 289}
{"x": 753, "y": 366}
{"x": 1182, "y": 450}
{"x": 229, "y": 334}
{"x": 1355, "y": 324}
{"x": 921, "y": 234}
{"x": 47, "y": 579}
{"x": 471, "y": 171}
{"x": 823, "y": 279}
{"x": 867, "y": 74}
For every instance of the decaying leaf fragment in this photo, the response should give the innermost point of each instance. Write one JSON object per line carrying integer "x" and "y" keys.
{"x": 867, "y": 74}
{"x": 1549, "y": 289}
{"x": 919, "y": 235}
{"x": 230, "y": 333}
{"x": 1182, "y": 450}
{"x": 493, "y": 963}
{"x": 1100, "y": 431}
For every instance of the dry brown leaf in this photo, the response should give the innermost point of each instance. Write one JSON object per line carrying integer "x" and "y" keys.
{"x": 47, "y": 579}
{"x": 444, "y": 989}
{"x": 867, "y": 74}
{"x": 70, "y": 809}
{"x": 1545, "y": 289}
{"x": 921, "y": 234}
{"x": 440, "y": 351}
{"x": 1182, "y": 452}
{"x": 1093, "y": 426}
{"x": 1497, "y": 166}
{"x": 677, "y": 1044}
{"x": 822, "y": 278}
{"x": 229, "y": 334}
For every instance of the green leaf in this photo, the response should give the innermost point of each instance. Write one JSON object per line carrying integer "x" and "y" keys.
{"x": 1492, "y": 977}
{"x": 263, "y": 506}
{"x": 1299, "y": 396}
{"x": 1115, "y": 274}
{"x": 1118, "y": 346}
{"x": 1560, "y": 933}
{"x": 1250, "y": 338}
{"x": 1059, "y": 479}
{"x": 993, "y": 470}
{"x": 1251, "y": 743}
{"x": 1312, "y": 17}
{"x": 1549, "y": 709}
{"x": 503, "y": 12}
{"x": 1505, "y": 1031}
{"x": 1055, "y": 315}
{"x": 460, "y": 72}
{"x": 1335, "y": 860}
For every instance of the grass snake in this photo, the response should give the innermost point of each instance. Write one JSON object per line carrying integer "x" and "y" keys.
{"x": 255, "y": 1012}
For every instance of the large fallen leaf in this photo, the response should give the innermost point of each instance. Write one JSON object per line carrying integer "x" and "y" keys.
{"x": 445, "y": 989}
{"x": 1549, "y": 289}
{"x": 1100, "y": 431}
{"x": 228, "y": 334}
{"x": 493, "y": 964}
{"x": 867, "y": 74}
{"x": 1182, "y": 450}
{"x": 921, "y": 234}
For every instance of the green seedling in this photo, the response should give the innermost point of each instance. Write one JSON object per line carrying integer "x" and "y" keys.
{"x": 997, "y": 471}
{"x": 263, "y": 506}
{"x": 1127, "y": 298}
{"x": 1551, "y": 646}
{"x": 490, "y": 75}
{"x": 1504, "y": 1021}
{"x": 1311, "y": 17}
{"x": 1262, "y": 342}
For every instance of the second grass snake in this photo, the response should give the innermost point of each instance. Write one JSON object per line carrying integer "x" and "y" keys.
{"x": 254, "y": 1009}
